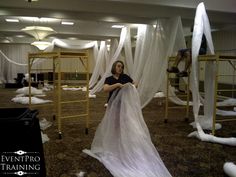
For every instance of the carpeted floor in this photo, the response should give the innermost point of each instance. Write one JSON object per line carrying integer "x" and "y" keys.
{"x": 183, "y": 156}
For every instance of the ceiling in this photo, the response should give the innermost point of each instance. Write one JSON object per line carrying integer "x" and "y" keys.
{"x": 93, "y": 18}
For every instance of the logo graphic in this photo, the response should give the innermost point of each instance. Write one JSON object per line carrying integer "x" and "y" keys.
{"x": 19, "y": 163}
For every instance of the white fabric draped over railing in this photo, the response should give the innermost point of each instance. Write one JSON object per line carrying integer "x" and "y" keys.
{"x": 66, "y": 45}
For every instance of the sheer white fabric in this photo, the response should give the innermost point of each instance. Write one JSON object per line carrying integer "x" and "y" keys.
{"x": 128, "y": 54}
{"x": 100, "y": 84}
{"x": 13, "y": 60}
{"x": 143, "y": 45}
{"x": 65, "y": 44}
{"x": 163, "y": 42}
{"x": 98, "y": 69}
{"x": 122, "y": 141}
{"x": 202, "y": 26}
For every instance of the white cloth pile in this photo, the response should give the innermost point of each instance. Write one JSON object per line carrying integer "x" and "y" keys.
{"x": 23, "y": 98}
{"x": 44, "y": 124}
{"x": 84, "y": 89}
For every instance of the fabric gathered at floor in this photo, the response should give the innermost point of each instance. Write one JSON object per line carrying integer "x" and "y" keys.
{"x": 122, "y": 141}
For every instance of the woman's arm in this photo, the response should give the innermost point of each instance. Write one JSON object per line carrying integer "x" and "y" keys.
{"x": 108, "y": 88}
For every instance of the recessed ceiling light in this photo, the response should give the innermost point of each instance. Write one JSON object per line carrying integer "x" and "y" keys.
{"x": 12, "y": 20}
{"x": 117, "y": 26}
{"x": 67, "y": 23}
{"x": 31, "y": 0}
{"x": 72, "y": 38}
{"x": 20, "y": 36}
{"x": 5, "y": 41}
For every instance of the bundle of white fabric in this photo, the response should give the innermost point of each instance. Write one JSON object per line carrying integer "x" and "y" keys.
{"x": 122, "y": 141}
{"x": 25, "y": 91}
{"x": 23, "y": 98}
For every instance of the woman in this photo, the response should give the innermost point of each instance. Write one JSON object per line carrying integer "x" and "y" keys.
{"x": 117, "y": 80}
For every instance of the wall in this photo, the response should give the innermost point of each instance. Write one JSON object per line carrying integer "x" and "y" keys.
{"x": 225, "y": 44}
{"x": 19, "y": 53}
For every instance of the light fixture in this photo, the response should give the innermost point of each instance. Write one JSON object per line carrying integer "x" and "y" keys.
{"x": 117, "y": 26}
{"x": 40, "y": 20}
{"x": 31, "y": 0}
{"x": 20, "y": 36}
{"x": 13, "y": 20}
{"x": 39, "y": 32}
{"x": 41, "y": 45}
{"x": 67, "y": 23}
{"x": 72, "y": 38}
{"x": 108, "y": 47}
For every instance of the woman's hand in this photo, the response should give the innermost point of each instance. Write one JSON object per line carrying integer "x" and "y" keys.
{"x": 119, "y": 85}
{"x": 108, "y": 88}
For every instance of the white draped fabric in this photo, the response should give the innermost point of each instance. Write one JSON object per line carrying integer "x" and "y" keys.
{"x": 202, "y": 26}
{"x": 114, "y": 58}
{"x": 98, "y": 65}
{"x": 128, "y": 54}
{"x": 159, "y": 44}
{"x": 142, "y": 49}
{"x": 13, "y": 60}
{"x": 122, "y": 141}
{"x": 79, "y": 46}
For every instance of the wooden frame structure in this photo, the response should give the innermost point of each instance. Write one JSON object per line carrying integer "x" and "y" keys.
{"x": 58, "y": 58}
{"x": 217, "y": 59}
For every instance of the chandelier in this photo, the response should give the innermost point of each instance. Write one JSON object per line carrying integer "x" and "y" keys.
{"x": 39, "y": 33}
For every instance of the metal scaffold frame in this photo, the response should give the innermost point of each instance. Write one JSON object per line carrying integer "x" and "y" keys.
{"x": 203, "y": 58}
{"x": 58, "y": 58}
{"x": 186, "y": 95}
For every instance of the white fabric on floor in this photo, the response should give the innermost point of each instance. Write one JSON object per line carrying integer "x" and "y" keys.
{"x": 225, "y": 113}
{"x": 213, "y": 139}
{"x": 25, "y": 91}
{"x": 44, "y": 124}
{"x": 159, "y": 95}
{"x": 72, "y": 88}
{"x": 44, "y": 137}
{"x": 230, "y": 169}
{"x": 227, "y": 102}
{"x": 206, "y": 124}
{"x": 122, "y": 141}
{"x": 25, "y": 100}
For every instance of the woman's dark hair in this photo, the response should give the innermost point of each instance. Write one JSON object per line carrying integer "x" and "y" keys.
{"x": 113, "y": 68}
